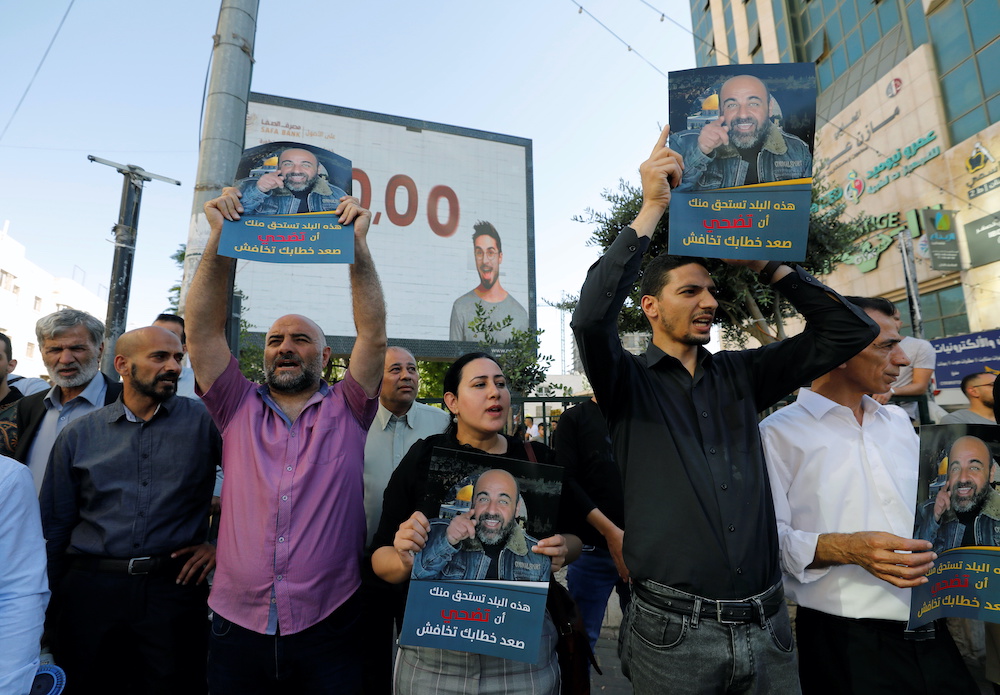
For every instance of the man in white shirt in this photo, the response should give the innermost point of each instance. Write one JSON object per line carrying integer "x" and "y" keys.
{"x": 978, "y": 388}
{"x": 843, "y": 473}
{"x": 915, "y": 377}
{"x": 399, "y": 422}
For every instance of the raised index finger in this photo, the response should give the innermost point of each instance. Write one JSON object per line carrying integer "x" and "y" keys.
{"x": 662, "y": 140}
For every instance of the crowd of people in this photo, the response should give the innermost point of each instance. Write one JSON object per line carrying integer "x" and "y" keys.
{"x": 702, "y": 518}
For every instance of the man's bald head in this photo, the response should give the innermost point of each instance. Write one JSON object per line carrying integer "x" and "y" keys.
{"x": 149, "y": 362}
{"x": 969, "y": 464}
{"x": 295, "y": 353}
{"x": 131, "y": 342}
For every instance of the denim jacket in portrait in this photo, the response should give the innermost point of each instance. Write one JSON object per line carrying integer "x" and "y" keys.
{"x": 783, "y": 157}
{"x": 441, "y": 560}
{"x": 324, "y": 197}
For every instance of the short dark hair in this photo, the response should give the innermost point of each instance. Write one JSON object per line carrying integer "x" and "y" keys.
{"x": 657, "y": 272}
{"x": 6, "y": 346}
{"x": 965, "y": 380}
{"x": 879, "y": 304}
{"x": 484, "y": 228}
{"x": 173, "y": 318}
{"x": 453, "y": 377}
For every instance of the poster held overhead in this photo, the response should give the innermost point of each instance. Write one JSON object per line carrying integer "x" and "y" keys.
{"x": 289, "y": 192}
{"x": 746, "y": 135}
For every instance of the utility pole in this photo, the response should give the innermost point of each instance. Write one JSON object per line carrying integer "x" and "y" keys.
{"x": 910, "y": 277}
{"x": 223, "y": 132}
{"x": 121, "y": 267}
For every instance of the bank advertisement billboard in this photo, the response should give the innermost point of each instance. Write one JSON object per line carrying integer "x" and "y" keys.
{"x": 431, "y": 187}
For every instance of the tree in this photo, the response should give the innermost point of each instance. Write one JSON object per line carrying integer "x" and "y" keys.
{"x": 746, "y": 308}
{"x": 174, "y": 293}
{"x": 518, "y": 357}
{"x": 431, "y": 378}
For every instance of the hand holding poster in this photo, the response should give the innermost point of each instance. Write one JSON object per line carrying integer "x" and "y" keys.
{"x": 477, "y": 586}
{"x": 745, "y": 133}
{"x": 958, "y": 511}
{"x": 290, "y": 193}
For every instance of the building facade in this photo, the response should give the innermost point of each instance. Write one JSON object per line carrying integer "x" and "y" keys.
{"x": 27, "y": 293}
{"x": 908, "y": 139}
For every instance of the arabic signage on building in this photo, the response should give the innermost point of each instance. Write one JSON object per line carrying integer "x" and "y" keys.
{"x": 942, "y": 238}
{"x": 965, "y": 354}
{"x": 983, "y": 236}
{"x": 893, "y": 132}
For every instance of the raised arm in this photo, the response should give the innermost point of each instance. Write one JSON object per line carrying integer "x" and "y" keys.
{"x": 207, "y": 309}
{"x": 368, "y": 355}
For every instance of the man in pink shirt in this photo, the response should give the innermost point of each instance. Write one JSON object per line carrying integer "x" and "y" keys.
{"x": 293, "y": 518}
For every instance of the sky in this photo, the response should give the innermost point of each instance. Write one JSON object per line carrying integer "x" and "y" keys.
{"x": 124, "y": 81}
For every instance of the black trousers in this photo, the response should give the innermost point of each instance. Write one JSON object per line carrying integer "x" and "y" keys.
{"x": 135, "y": 635}
{"x": 383, "y": 610}
{"x": 843, "y": 656}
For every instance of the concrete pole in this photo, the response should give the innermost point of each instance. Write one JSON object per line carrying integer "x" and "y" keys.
{"x": 910, "y": 277}
{"x": 225, "y": 122}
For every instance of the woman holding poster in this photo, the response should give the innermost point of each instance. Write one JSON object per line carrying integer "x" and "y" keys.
{"x": 475, "y": 391}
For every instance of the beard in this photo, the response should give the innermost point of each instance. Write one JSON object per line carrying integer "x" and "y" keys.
{"x": 85, "y": 372}
{"x": 497, "y": 536}
{"x": 298, "y": 187}
{"x": 687, "y": 338}
{"x": 971, "y": 503}
{"x": 487, "y": 284}
{"x": 167, "y": 385}
{"x": 752, "y": 139}
{"x": 293, "y": 383}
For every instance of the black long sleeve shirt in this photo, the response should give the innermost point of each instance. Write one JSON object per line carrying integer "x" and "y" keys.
{"x": 698, "y": 510}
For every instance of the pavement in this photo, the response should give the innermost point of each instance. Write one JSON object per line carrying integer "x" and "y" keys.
{"x": 612, "y": 682}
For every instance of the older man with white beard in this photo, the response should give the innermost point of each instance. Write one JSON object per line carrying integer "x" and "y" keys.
{"x": 71, "y": 342}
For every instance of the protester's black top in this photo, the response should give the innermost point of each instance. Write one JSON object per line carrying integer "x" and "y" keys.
{"x": 698, "y": 511}
{"x": 585, "y": 452}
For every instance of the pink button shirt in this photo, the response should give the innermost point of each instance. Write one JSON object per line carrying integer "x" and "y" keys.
{"x": 293, "y": 516}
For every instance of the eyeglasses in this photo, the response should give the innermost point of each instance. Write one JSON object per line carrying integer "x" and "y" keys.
{"x": 490, "y": 253}
{"x": 984, "y": 384}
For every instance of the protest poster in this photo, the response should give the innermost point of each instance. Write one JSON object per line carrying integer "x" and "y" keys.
{"x": 289, "y": 193}
{"x": 746, "y": 135}
{"x": 958, "y": 511}
{"x": 477, "y": 586}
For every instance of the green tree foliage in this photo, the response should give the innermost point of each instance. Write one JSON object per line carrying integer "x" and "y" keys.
{"x": 518, "y": 357}
{"x": 431, "y": 379}
{"x": 174, "y": 293}
{"x": 747, "y": 308}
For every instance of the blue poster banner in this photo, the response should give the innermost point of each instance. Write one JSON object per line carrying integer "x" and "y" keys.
{"x": 745, "y": 133}
{"x": 961, "y": 355}
{"x": 754, "y": 223}
{"x": 964, "y": 583}
{"x": 306, "y": 238}
{"x": 496, "y": 618}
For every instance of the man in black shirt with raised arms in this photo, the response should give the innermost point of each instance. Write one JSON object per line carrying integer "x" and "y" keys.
{"x": 700, "y": 543}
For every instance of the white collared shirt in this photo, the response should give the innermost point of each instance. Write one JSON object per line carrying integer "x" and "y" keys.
{"x": 830, "y": 475}
{"x": 389, "y": 438}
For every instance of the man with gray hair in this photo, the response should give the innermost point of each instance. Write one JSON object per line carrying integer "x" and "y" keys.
{"x": 71, "y": 342}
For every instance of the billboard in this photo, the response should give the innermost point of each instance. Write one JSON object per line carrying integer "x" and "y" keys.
{"x": 428, "y": 185}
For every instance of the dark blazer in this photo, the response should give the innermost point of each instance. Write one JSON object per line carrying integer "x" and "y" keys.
{"x": 31, "y": 410}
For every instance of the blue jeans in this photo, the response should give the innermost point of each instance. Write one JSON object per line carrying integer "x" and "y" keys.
{"x": 664, "y": 652}
{"x": 590, "y": 579}
{"x": 324, "y": 658}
